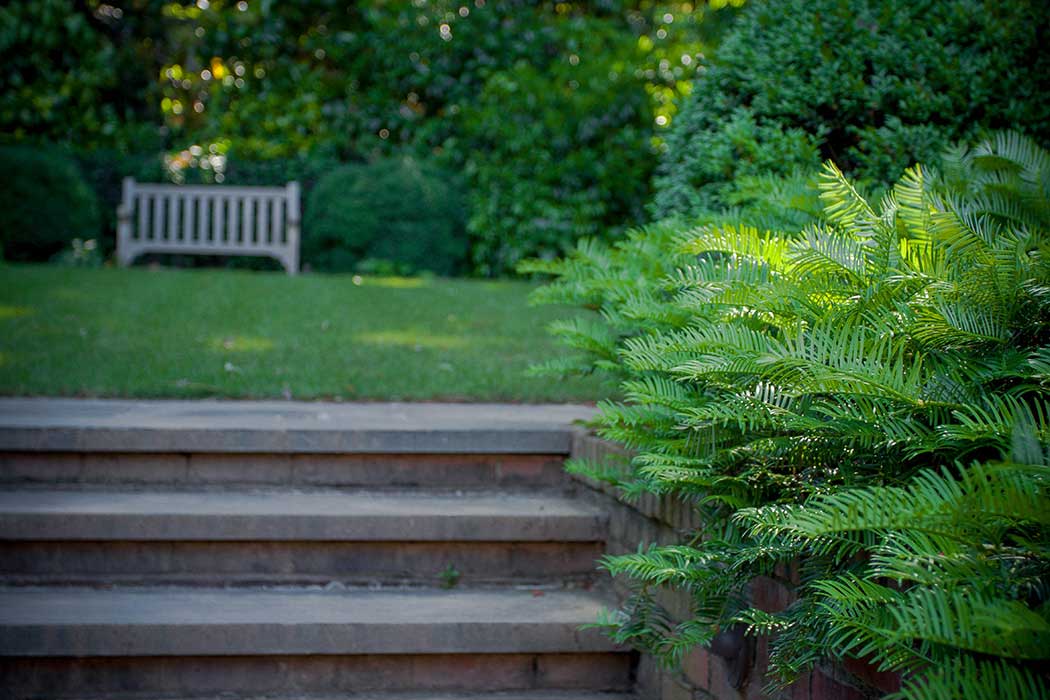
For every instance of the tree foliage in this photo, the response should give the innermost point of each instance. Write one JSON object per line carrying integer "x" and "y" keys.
{"x": 866, "y": 399}
{"x": 552, "y": 110}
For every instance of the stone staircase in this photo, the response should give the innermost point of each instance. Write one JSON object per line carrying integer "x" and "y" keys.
{"x": 276, "y": 550}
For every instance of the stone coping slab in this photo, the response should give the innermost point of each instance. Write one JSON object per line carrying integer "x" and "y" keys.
{"x": 105, "y": 425}
{"x": 545, "y": 694}
{"x": 288, "y": 516}
{"x": 180, "y": 622}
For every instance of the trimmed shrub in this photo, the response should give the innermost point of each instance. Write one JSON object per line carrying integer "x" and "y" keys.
{"x": 875, "y": 85}
{"x": 45, "y": 203}
{"x": 104, "y": 170}
{"x": 403, "y": 212}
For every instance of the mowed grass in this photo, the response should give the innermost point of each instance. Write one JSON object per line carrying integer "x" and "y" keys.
{"x": 224, "y": 333}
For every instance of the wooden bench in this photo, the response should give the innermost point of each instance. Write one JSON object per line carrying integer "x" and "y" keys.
{"x": 209, "y": 220}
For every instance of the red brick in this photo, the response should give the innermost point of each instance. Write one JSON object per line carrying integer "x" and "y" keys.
{"x": 719, "y": 685}
{"x": 529, "y": 469}
{"x": 240, "y": 468}
{"x": 789, "y": 572}
{"x": 604, "y": 672}
{"x": 133, "y": 468}
{"x": 799, "y": 690}
{"x": 675, "y": 689}
{"x": 757, "y": 676}
{"x": 886, "y": 681}
{"x": 770, "y": 595}
{"x": 824, "y": 688}
{"x": 39, "y": 466}
{"x": 695, "y": 667}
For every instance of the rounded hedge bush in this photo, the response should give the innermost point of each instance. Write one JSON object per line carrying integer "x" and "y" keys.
{"x": 875, "y": 85}
{"x": 399, "y": 214}
{"x": 44, "y": 204}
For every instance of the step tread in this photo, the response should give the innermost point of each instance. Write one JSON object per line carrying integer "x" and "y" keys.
{"x": 276, "y": 426}
{"x": 287, "y": 515}
{"x": 165, "y": 622}
{"x": 544, "y": 694}
{"x": 526, "y": 695}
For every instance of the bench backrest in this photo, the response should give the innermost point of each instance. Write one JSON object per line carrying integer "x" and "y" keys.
{"x": 210, "y": 220}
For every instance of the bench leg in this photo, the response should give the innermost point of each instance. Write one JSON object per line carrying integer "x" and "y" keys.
{"x": 125, "y": 257}
{"x": 290, "y": 263}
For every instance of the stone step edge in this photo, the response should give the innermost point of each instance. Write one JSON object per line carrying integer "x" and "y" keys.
{"x": 99, "y": 623}
{"x": 298, "y": 427}
{"x": 137, "y": 440}
{"x": 436, "y": 695}
{"x": 56, "y": 515}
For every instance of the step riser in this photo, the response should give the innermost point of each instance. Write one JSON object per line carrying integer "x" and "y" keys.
{"x": 138, "y": 678}
{"x": 272, "y": 469}
{"x": 285, "y": 563}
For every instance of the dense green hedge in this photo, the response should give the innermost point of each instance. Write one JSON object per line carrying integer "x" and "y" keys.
{"x": 874, "y": 84}
{"x": 394, "y": 215}
{"x": 44, "y": 203}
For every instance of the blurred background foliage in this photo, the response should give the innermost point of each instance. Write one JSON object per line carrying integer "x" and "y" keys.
{"x": 552, "y": 110}
{"x": 563, "y": 120}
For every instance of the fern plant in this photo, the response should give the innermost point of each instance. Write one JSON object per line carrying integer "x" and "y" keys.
{"x": 866, "y": 399}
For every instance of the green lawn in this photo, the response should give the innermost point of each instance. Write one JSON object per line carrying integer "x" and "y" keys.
{"x": 194, "y": 333}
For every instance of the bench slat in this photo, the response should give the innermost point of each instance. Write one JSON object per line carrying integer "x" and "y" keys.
{"x": 203, "y": 220}
{"x": 143, "y": 204}
{"x": 233, "y": 232}
{"x": 249, "y": 220}
{"x": 208, "y": 190}
{"x": 278, "y": 221}
{"x": 264, "y": 220}
{"x": 156, "y": 225}
{"x": 217, "y": 230}
{"x": 187, "y": 219}
{"x": 172, "y": 203}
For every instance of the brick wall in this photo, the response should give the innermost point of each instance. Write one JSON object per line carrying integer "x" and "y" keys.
{"x": 705, "y": 675}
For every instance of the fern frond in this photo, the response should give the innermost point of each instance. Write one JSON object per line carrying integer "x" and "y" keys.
{"x": 843, "y": 204}
{"x": 737, "y": 242}
{"x": 967, "y": 677}
{"x": 963, "y": 619}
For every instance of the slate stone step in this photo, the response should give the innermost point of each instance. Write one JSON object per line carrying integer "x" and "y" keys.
{"x": 466, "y": 695}
{"x": 284, "y": 515}
{"x": 241, "y": 564}
{"x": 176, "y": 622}
{"x": 153, "y": 492}
{"x": 67, "y": 425}
{"x": 278, "y": 537}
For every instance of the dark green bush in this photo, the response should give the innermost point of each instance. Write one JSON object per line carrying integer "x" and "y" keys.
{"x": 558, "y": 152}
{"x": 875, "y": 85}
{"x": 104, "y": 170}
{"x": 401, "y": 211}
{"x": 45, "y": 203}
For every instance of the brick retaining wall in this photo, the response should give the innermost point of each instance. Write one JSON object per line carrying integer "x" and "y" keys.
{"x": 705, "y": 675}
